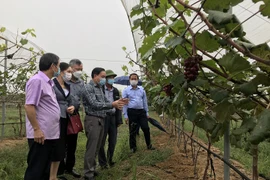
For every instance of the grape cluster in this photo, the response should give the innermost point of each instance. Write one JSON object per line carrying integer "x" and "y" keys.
{"x": 168, "y": 89}
{"x": 192, "y": 67}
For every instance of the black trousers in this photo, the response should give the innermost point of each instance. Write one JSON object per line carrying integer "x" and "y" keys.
{"x": 110, "y": 130}
{"x": 39, "y": 159}
{"x": 137, "y": 118}
{"x": 69, "y": 161}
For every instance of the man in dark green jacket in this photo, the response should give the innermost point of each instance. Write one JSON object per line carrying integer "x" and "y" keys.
{"x": 112, "y": 121}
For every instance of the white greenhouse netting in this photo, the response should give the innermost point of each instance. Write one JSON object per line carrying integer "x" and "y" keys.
{"x": 16, "y": 55}
{"x": 257, "y": 28}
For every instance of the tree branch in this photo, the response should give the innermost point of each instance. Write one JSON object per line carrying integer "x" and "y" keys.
{"x": 228, "y": 39}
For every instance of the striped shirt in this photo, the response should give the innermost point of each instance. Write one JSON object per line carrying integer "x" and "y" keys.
{"x": 94, "y": 100}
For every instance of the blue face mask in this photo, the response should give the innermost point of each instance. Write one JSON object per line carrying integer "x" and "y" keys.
{"x": 56, "y": 74}
{"x": 102, "y": 81}
{"x": 110, "y": 81}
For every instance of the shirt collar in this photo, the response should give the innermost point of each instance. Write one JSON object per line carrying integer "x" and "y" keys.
{"x": 93, "y": 83}
{"x": 76, "y": 81}
{"x": 130, "y": 87}
{"x": 45, "y": 78}
{"x": 106, "y": 88}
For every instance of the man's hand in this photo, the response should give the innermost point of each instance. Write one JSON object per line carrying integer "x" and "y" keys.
{"x": 147, "y": 116}
{"x": 126, "y": 120}
{"x": 118, "y": 104}
{"x": 124, "y": 100}
{"x": 39, "y": 136}
{"x": 70, "y": 109}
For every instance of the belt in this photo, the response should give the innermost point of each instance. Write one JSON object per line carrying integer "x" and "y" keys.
{"x": 135, "y": 109}
{"x": 110, "y": 113}
{"x": 94, "y": 116}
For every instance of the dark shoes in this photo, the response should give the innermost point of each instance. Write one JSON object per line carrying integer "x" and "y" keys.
{"x": 73, "y": 173}
{"x": 92, "y": 178}
{"x": 111, "y": 164}
{"x": 150, "y": 147}
{"x": 96, "y": 173}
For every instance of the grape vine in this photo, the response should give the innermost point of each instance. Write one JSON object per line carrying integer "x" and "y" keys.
{"x": 208, "y": 73}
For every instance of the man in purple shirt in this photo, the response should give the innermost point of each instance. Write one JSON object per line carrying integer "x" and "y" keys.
{"x": 42, "y": 118}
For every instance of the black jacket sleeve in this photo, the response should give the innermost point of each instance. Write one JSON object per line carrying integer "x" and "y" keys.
{"x": 118, "y": 113}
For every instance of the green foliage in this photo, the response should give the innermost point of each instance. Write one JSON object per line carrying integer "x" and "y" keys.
{"x": 262, "y": 129}
{"x": 229, "y": 86}
{"x": 212, "y": 44}
{"x": 234, "y": 62}
{"x": 2, "y": 29}
{"x": 220, "y": 5}
{"x": 19, "y": 66}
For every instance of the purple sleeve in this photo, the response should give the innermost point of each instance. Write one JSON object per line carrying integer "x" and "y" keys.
{"x": 33, "y": 92}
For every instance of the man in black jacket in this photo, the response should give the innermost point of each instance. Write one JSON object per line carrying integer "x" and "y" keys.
{"x": 112, "y": 121}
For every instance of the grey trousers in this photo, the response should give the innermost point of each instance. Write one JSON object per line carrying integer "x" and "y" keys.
{"x": 110, "y": 129}
{"x": 94, "y": 129}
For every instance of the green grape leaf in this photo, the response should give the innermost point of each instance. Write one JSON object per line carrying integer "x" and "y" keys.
{"x": 136, "y": 10}
{"x": 2, "y": 29}
{"x": 262, "y": 79}
{"x": 159, "y": 56}
{"x": 265, "y": 8}
{"x": 217, "y": 132}
{"x": 234, "y": 62}
{"x": 206, "y": 122}
{"x": 171, "y": 43}
{"x": 246, "y": 88}
{"x": 149, "y": 43}
{"x": 246, "y": 104}
{"x": 234, "y": 29}
{"x": 163, "y": 7}
{"x": 178, "y": 99}
{"x": 262, "y": 129}
{"x": 246, "y": 45}
{"x": 147, "y": 24}
{"x": 192, "y": 109}
{"x": 218, "y": 95}
{"x": 224, "y": 110}
{"x": 177, "y": 25}
{"x": 207, "y": 42}
{"x": 220, "y": 5}
{"x": 263, "y": 51}
{"x": 218, "y": 17}
{"x": 177, "y": 80}
{"x": 247, "y": 125}
{"x": 211, "y": 63}
{"x": 23, "y": 41}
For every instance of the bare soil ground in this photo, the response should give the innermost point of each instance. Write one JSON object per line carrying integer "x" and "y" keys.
{"x": 11, "y": 142}
{"x": 180, "y": 166}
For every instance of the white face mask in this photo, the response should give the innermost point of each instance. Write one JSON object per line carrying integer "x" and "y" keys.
{"x": 67, "y": 76}
{"x": 133, "y": 82}
{"x": 77, "y": 74}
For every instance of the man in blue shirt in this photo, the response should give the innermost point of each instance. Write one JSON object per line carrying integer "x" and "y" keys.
{"x": 136, "y": 112}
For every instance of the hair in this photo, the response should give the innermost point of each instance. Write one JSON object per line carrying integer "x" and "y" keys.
{"x": 97, "y": 71}
{"x": 133, "y": 75}
{"x": 75, "y": 62}
{"x": 64, "y": 66}
{"x": 47, "y": 60}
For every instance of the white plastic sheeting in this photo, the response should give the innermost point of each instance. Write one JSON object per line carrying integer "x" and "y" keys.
{"x": 257, "y": 28}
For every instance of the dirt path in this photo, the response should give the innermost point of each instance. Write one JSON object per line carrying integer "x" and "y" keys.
{"x": 179, "y": 166}
{"x": 7, "y": 143}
